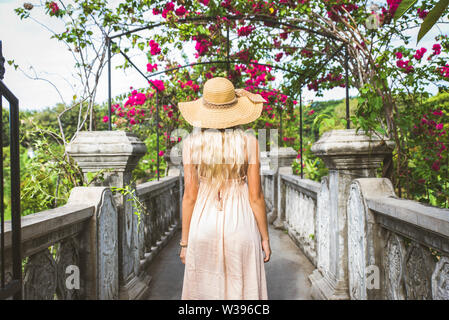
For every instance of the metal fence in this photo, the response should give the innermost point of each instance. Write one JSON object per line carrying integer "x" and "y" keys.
{"x": 10, "y": 275}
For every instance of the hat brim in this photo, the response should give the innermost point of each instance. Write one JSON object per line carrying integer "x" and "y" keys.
{"x": 242, "y": 112}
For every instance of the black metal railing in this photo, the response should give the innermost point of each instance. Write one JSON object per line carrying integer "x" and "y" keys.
{"x": 10, "y": 288}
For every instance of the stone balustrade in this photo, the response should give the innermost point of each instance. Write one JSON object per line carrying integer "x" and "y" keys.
{"x": 161, "y": 217}
{"x": 399, "y": 248}
{"x": 71, "y": 252}
{"x": 298, "y": 201}
{"x": 364, "y": 242}
{"x": 268, "y": 181}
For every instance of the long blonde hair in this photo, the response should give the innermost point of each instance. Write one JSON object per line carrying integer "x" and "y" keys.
{"x": 219, "y": 154}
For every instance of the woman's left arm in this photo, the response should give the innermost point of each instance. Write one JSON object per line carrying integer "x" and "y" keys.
{"x": 188, "y": 203}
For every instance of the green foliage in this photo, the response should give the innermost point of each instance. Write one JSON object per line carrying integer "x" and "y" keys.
{"x": 431, "y": 19}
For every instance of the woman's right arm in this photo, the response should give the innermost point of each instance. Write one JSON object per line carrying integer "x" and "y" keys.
{"x": 256, "y": 197}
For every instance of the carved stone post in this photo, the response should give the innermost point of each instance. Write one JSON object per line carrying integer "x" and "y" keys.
{"x": 117, "y": 152}
{"x": 173, "y": 158}
{"x": 281, "y": 160}
{"x": 348, "y": 156}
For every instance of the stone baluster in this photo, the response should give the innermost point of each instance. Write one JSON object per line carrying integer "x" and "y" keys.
{"x": 116, "y": 152}
{"x": 281, "y": 160}
{"x": 348, "y": 155}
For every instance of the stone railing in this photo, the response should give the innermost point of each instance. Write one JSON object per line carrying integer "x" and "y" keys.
{"x": 141, "y": 235}
{"x": 364, "y": 241}
{"x": 270, "y": 192}
{"x": 398, "y": 249}
{"x": 298, "y": 202}
{"x": 71, "y": 252}
{"x": 161, "y": 217}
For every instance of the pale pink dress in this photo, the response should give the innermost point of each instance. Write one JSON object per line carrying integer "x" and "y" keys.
{"x": 224, "y": 257}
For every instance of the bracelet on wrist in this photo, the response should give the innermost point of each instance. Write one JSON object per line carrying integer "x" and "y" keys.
{"x": 183, "y": 244}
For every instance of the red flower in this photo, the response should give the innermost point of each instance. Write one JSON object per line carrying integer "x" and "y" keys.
{"x": 422, "y": 13}
{"x": 245, "y": 31}
{"x": 279, "y": 56}
{"x": 159, "y": 84}
{"x": 151, "y": 67}
{"x": 53, "y": 7}
{"x": 436, "y": 166}
{"x": 436, "y": 48}
{"x": 154, "y": 47}
{"x": 105, "y": 119}
{"x": 180, "y": 11}
{"x": 420, "y": 53}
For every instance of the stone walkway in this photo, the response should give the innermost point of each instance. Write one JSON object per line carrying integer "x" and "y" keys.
{"x": 287, "y": 272}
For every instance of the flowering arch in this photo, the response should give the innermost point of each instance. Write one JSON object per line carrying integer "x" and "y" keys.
{"x": 202, "y": 46}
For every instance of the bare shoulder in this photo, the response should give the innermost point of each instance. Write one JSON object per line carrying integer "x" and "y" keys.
{"x": 253, "y": 148}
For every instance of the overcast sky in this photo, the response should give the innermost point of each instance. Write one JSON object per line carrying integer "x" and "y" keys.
{"x": 30, "y": 46}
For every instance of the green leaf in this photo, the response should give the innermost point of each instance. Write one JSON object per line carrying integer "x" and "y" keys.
{"x": 403, "y": 8}
{"x": 432, "y": 18}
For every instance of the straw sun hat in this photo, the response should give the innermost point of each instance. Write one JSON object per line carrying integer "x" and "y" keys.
{"x": 222, "y": 106}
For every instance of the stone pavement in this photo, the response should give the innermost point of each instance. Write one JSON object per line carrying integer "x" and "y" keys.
{"x": 287, "y": 272}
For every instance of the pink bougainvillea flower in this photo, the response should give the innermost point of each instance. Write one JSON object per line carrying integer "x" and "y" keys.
{"x": 279, "y": 56}
{"x": 245, "y": 31}
{"x": 159, "y": 84}
{"x": 132, "y": 121}
{"x": 154, "y": 47}
{"x": 439, "y": 126}
{"x": 205, "y": 2}
{"x": 161, "y": 153}
{"x": 53, "y": 7}
{"x": 393, "y": 6}
{"x": 311, "y": 112}
{"x": 105, "y": 119}
{"x": 180, "y": 11}
{"x": 436, "y": 49}
{"x": 170, "y": 6}
{"x": 438, "y": 113}
{"x": 420, "y": 53}
{"x": 422, "y": 13}
{"x": 444, "y": 71}
{"x": 156, "y": 11}
{"x": 398, "y": 55}
{"x": 151, "y": 67}
{"x": 436, "y": 166}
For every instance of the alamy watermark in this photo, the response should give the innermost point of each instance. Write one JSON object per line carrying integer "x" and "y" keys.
{"x": 73, "y": 279}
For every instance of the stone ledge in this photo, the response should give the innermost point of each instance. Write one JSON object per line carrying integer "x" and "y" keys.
{"x": 422, "y": 216}
{"x": 310, "y": 187}
{"x": 45, "y": 222}
{"x": 150, "y": 186}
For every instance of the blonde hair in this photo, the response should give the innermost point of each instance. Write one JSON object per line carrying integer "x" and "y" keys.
{"x": 218, "y": 154}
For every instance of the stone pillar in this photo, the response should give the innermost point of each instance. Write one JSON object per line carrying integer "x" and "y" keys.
{"x": 281, "y": 160}
{"x": 173, "y": 158}
{"x": 348, "y": 156}
{"x": 116, "y": 152}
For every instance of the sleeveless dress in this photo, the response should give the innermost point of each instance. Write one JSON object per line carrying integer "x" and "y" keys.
{"x": 224, "y": 257}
